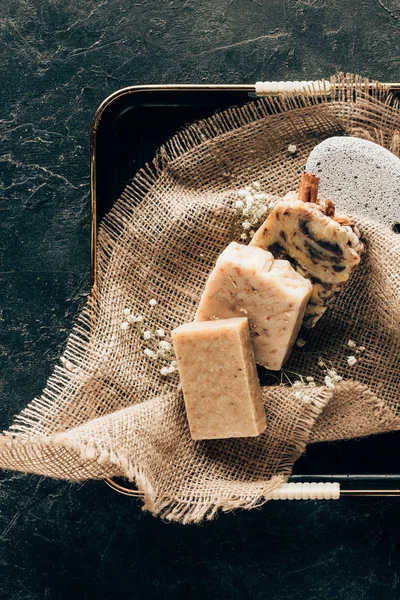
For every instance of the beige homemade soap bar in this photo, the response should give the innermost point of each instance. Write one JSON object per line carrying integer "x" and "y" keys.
{"x": 248, "y": 282}
{"x": 219, "y": 379}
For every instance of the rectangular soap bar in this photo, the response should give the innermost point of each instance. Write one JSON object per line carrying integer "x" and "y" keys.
{"x": 248, "y": 282}
{"x": 219, "y": 379}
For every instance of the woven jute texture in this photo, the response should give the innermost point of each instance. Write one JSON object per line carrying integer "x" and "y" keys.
{"x": 107, "y": 411}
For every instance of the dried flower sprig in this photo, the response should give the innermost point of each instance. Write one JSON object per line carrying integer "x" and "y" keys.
{"x": 154, "y": 345}
{"x": 329, "y": 376}
{"x": 250, "y": 210}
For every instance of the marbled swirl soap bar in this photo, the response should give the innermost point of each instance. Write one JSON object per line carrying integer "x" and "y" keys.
{"x": 219, "y": 379}
{"x": 247, "y": 281}
{"x": 322, "y": 247}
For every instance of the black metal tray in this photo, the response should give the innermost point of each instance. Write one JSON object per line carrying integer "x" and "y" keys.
{"x": 127, "y": 130}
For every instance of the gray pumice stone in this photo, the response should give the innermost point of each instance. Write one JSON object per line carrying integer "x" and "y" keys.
{"x": 361, "y": 178}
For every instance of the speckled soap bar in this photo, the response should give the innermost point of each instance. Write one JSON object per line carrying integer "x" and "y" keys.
{"x": 219, "y": 379}
{"x": 361, "y": 177}
{"x": 247, "y": 281}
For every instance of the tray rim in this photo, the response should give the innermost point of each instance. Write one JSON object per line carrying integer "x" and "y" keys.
{"x": 173, "y": 87}
{"x": 135, "y": 89}
{"x": 394, "y": 490}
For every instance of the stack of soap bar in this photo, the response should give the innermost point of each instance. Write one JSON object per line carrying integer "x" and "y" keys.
{"x": 248, "y": 282}
{"x": 219, "y": 379}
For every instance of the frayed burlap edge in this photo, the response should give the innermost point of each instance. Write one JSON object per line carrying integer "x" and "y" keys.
{"x": 48, "y": 455}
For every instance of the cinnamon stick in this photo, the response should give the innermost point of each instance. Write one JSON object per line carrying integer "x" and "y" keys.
{"x": 329, "y": 208}
{"x": 308, "y": 188}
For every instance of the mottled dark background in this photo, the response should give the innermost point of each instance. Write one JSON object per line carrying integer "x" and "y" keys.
{"x": 59, "y": 59}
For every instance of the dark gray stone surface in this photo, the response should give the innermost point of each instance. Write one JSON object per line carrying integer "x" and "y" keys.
{"x": 58, "y": 61}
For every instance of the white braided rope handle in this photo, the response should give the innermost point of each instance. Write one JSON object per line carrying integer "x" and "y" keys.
{"x": 287, "y": 491}
{"x": 274, "y": 88}
{"x": 307, "y": 491}
{"x": 291, "y": 491}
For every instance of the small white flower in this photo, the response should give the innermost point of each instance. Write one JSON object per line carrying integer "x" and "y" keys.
{"x": 329, "y": 383}
{"x": 351, "y": 344}
{"x": 160, "y": 332}
{"x": 251, "y": 232}
{"x": 149, "y": 353}
{"x": 312, "y": 384}
{"x": 242, "y": 193}
{"x": 362, "y": 348}
{"x": 239, "y": 203}
{"x": 332, "y": 373}
{"x": 292, "y": 149}
{"x": 153, "y": 302}
{"x": 147, "y": 334}
{"x": 164, "y": 371}
{"x": 133, "y": 319}
{"x": 249, "y": 201}
{"x": 124, "y": 325}
{"x": 243, "y": 236}
{"x": 351, "y": 361}
{"x": 256, "y": 185}
{"x": 246, "y": 224}
{"x": 298, "y": 384}
{"x": 303, "y": 397}
{"x": 67, "y": 364}
{"x": 337, "y": 378}
{"x": 321, "y": 364}
{"x": 164, "y": 346}
{"x": 309, "y": 378}
{"x": 173, "y": 363}
{"x": 300, "y": 342}
{"x": 171, "y": 369}
{"x": 127, "y": 311}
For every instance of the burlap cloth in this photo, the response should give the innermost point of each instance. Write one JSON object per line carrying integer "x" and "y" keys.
{"x": 106, "y": 411}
